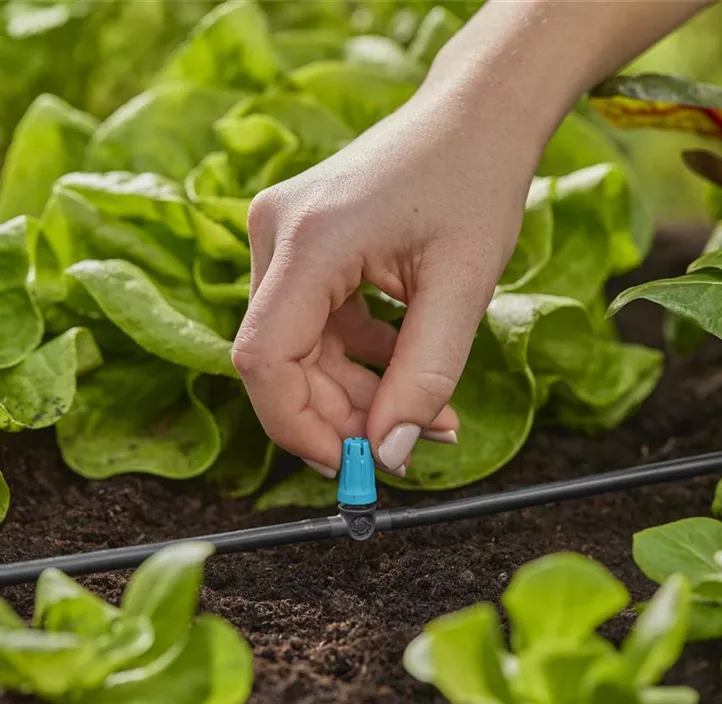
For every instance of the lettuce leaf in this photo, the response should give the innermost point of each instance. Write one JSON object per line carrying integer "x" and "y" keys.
{"x": 230, "y": 48}
{"x": 437, "y": 27}
{"x": 579, "y": 143}
{"x": 213, "y": 186}
{"x": 40, "y": 390}
{"x": 87, "y": 651}
{"x": 130, "y": 300}
{"x": 247, "y": 454}
{"x": 4, "y": 498}
{"x": 145, "y": 135}
{"x": 143, "y": 416}
{"x": 495, "y": 404}
{"x": 214, "y": 665}
{"x": 534, "y": 353}
{"x": 358, "y": 95}
{"x": 384, "y": 55}
{"x": 555, "y": 605}
{"x": 592, "y": 238}
{"x": 298, "y": 47}
{"x": 140, "y": 220}
{"x": 690, "y": 547}
{"x": 21, "y": 324}
{"x": 304, "y": 488}
{"x": 49, "y": 141}
{"x": 94, "y": 54}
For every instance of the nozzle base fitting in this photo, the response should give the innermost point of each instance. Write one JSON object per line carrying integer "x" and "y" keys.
{"x": 361, "y": 520}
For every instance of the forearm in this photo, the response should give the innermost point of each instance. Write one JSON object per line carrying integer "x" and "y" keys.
{"x": 537, "y": 57}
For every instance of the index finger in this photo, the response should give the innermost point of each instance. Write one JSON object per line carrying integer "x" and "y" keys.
{"x": 283, "y": 327}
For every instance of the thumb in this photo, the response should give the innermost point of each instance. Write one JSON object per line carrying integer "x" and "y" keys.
{"x": 429, "y": 357}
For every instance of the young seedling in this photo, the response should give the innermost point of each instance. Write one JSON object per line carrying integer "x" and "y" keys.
{"x": 150, "y": 649}
{"x": 691, "y": 547}
{"x": 555, "y": 605}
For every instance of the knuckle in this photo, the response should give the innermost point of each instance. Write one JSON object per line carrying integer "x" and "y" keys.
{"x": 262, "y": 213}
{"x": 307, "y": 242}
{"x": 434, "y": 388}
{"x": 246, "y": 355}
{"x": 244, "y": 363}
{"x": 292, "y": 217}
{"x": 277, "y": 436}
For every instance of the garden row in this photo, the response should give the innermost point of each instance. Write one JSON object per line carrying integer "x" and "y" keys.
{"x": 124, "y": 271}
{"x": 126, "y": 263}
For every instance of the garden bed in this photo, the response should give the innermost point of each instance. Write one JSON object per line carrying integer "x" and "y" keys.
{"x": 329, "y": 621}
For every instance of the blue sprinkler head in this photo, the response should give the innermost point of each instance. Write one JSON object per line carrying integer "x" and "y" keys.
{"x": 357, "y": 485}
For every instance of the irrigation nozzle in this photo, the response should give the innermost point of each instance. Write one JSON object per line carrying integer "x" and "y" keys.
{"x": 357, "y": 489}
{"x": 359, "y": 519}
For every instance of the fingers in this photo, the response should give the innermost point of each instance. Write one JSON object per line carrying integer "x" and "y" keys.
{"x": 372, "y": 341}
{"x": 367, "y": 339}
{"x": 282, "y": 331}
{"x": 429, "y": 357}
{"x": 279, "y": 343}
{"x": 290, "y": 355}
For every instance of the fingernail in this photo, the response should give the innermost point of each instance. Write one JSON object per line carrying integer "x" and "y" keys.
{"x": 328, "y": 472}
{"x": 446, "y": 437}
{"x": 398, "y": 444}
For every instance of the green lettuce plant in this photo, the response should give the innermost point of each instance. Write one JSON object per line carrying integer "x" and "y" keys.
{"x": 555, "y": 605}
{"x": 96, "y": 54}
{"x": 125, "y": 260}
{"x": 691, "y": 547}
{"x": 694, "y": 298}
{"x": 677, "y": 104}
{"x": 693, "y": 301}
{"x": 152, "y": 649}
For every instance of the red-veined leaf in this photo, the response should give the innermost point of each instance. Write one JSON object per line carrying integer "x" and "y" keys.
{"x": 662, "y": 102}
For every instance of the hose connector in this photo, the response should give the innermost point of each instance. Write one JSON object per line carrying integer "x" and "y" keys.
{"x": 357, "y": 489}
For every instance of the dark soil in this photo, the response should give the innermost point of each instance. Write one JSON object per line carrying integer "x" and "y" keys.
{"x": 329, "y": 621}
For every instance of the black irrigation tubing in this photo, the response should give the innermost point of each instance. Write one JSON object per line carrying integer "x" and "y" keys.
{"x": 361, "y": 522}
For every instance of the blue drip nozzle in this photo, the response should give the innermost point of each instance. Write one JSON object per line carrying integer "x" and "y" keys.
{"x": 357, "y": 484}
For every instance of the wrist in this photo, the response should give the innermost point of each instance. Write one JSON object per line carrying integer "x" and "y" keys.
{"x": 486, "y": 100}
{"x": 492, "y": 72}
{"x": 526, "y": 64}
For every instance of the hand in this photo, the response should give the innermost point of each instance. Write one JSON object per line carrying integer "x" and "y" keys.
{"x": 426, "y": 206}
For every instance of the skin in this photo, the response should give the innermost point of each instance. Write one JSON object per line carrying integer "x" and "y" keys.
{"x": 427, "y": 205}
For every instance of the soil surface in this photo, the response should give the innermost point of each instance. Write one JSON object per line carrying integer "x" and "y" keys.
{"x": 329, "y": 621}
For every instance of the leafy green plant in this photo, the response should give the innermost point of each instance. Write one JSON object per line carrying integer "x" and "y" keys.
{"x": 693, "y": 300}
{"x": 96, "y": 54}
{"x": 125, "y": 260}
{"x": 677, "y": 104}
{"x": 691, "y": 547}
{"x": 150, "y": 649}
{"x": 555, "y": 605}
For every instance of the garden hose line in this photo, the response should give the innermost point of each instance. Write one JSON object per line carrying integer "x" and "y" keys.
{"x": 360, "y": 520}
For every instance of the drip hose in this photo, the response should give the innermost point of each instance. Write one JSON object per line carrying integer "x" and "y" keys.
{"x": 360, "y": 522}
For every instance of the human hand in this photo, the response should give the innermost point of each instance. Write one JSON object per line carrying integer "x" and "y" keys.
{"x": 427, "y": 207}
